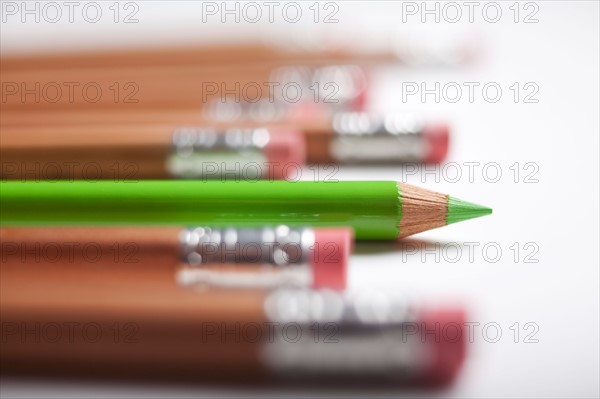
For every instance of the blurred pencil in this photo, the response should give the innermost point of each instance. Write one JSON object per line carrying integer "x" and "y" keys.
{"x": 340, "y": 137}
{"x": 149, "y": 152}
{"x": 311, "y": 257}
{"x": 135, "y": 88}
{"x": 129, "y": 325}
{"x": 226, "y": 54}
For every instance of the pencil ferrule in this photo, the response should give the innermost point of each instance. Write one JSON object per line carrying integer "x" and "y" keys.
{"x": 363, "y": 137}
{"x": 212, "y": 153}
{"x": 366, "y": 334}
{"x": 366, "y": 308}
{"x": 264, "y": 110}
{"x": 266, "y": 279}
{"x": 337, "y": 85}
{"x": 279, "y": 246}
{"x": 334, "y": 350}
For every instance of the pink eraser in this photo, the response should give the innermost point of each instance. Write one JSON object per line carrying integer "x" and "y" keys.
{"x": 443, "y": 331}
{"x": 330, "y": 257}
{"x": 437, "y": 137}
{"x": 286, "y": 151}
{"x": 360, "y": 102}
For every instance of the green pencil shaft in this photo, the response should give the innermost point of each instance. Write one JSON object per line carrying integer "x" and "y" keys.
{"x": 373, "y": 209}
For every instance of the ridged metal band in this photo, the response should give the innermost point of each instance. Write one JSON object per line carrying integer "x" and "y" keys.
{"x": 204, "y": 152}
{"x": 191, "y": 139}
{"x": 363, "y": 137}
{"x": 333, "y": 334}
{"x": 262, "y": 111}
{"x": 280, "y": 246}
{"x": 332, "y": 85}
{"x": 268, "y": 278}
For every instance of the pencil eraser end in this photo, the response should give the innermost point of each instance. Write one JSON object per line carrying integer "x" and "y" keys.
{"x": 330, "y": 257}
{"x": 437, "y": 138}
{"x": 444, "y": 335}
{"x": 285, "y": 151}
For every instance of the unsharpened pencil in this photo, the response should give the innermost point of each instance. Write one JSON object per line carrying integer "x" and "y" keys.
{"x": 306, "y": 256}
{"x": 129, "y": 324}
{"x": 232, "y": 54}
{"x": 135, "y": 88}
{"x": 149, "y": 152}
{"x": 329, "y": 137}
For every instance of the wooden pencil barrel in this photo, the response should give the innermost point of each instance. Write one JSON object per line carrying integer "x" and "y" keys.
{"x": 133, "y": 87}
{"x": 121, "y": 151}
{"x": 132, "y": 324}
{"x": 97, "y": 248}
{"x": 228, "y": 54}
{"x": 206, "y": 55}
{"x": 118, "y": 153}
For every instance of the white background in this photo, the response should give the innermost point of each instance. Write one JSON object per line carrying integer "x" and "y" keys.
{"x": 559, "y": 213}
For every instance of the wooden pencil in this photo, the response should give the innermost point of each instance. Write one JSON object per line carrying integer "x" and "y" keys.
{"x": 313, "y": 257}
{"x": 134, "y": 87}
{"x": 130, "y": 152}
{"x": 114, "y": 116}
{"x": 338, "y": 137}
{"x": 104, "y": 323}
{"x": 225, "y": 54}
{"x": 376, "y": 210}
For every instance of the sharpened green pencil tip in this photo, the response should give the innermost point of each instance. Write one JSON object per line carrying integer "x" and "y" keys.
{"x": 459, "y": 210}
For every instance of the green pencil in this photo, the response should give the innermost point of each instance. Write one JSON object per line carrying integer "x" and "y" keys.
{"x": 377, "y": 210}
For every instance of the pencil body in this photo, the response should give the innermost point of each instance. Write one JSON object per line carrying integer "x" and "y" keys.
{"x": 376, "y": 210}
{"x": 282, "y": 256}
{"x": 172, "y": 115}
{"x": 130, "y": 152}
{"x": 147, "y": 143}
{"x": 240, "y": 54}
{"x": 143, "y": 150}
{"x": 371, "y": 208}
{"x": 68, "y": 90}
{"x": 133, "y": 88}
{"x": 122, "y": 247}
{"x": 95, "y": 323}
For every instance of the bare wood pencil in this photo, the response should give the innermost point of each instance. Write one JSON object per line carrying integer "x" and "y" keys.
{"x": 312, "y": 257}
{"x": 228, "y": 54}
{"x": 341, "y": 137}
{"x": 82, "y": 323}
{"x": 133, "y": 87}
{"x": 130, "y": 152}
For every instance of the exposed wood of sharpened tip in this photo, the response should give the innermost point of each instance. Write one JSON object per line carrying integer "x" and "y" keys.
{"x": 422, "y": 210}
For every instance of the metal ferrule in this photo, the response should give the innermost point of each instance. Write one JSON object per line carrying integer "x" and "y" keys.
{"x": 333, "y": 334}
{"x": 212, "y": 153}
{"x": 279, "y": 246}
{"x": 262, "y": 111}
{"x": 334, "y": 86}
{"x": 265, "y": 279}
{"x": 363, "y": 137}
